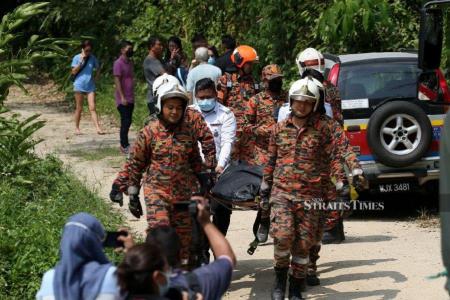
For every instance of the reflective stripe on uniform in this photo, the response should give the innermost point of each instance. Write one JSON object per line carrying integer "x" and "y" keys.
{"x": 300, "y": 260}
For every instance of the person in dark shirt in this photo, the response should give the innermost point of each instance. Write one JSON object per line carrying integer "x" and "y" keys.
{"x": 224, "y": 62}
{"x": 153, "y": 68}
{"x": 199, "y": 40}
{"x": 176, "y": 60}
{"x": 212, "y": 280}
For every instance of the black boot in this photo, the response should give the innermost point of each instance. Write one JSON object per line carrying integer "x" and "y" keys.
{"x": 312, "y": 280}
{"x": 263, "y": 230}
{"x": 335, "y": 235}
{"x": 311, "y": 277}
{"x": 279, "y": 287}
{"x": 296, "y": 285}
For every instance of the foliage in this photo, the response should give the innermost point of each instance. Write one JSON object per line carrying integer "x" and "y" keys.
{"x": 16, "y": 61}
{"x": 31, "y": 221}
{"x": 17, "y": 145}
{"x": 277, "y": 29}
{"x": 369, "y": 25}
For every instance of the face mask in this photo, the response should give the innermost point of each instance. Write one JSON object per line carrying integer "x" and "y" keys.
{"x": 163, "y": 289}
{"x": 275, "y": 85}
{"x": 211, "y": 60}
{"x": 207, "y": 104}
{"x": 129, "y": 53}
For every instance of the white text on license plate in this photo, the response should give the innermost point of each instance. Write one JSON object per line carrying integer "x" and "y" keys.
{"x": 394, "y": 187}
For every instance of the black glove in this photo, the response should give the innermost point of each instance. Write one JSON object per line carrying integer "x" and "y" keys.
{"x": 359, "y": 182}
{"x": 135, "y": 206}
{"x": 343, "y": 195}
{"x": 264, "y": 195}
{"x": 206, "y": 180}
{"x": 116, "y": 195}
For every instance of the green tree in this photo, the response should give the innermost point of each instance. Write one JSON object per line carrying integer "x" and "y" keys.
{"x": 16, "y": 60}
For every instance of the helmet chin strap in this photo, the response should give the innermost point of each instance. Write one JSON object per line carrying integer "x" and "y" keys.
{"x": 302, "y": 117}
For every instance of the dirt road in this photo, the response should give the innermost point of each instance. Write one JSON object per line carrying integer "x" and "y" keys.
{"x": 381, "y": 259}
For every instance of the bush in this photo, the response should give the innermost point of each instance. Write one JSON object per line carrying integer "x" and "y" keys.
{"x": 31, "y": 222}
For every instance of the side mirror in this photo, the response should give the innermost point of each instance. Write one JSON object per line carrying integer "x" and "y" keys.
{"x": 430, "y": 38}
{"x": 428, "y": 87}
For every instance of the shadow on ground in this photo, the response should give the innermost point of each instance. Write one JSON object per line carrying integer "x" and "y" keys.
{"x": 256, "y": 276}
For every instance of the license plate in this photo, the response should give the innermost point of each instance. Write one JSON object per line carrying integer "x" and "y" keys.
{"x": 395, "y": 187}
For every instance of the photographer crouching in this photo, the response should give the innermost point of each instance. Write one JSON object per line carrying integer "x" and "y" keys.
{"x": 158, "y": 261}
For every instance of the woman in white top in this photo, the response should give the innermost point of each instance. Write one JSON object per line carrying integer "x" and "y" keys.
{"x": 83, "y": 271}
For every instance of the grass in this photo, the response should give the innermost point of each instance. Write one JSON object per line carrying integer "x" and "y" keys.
{"x": 31, "y": 221}
{"x": 96, "y": 153}
{"x": 427, "y": 218}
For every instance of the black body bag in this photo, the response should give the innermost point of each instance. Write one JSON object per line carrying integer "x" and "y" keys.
{"x": 238, "y": 183}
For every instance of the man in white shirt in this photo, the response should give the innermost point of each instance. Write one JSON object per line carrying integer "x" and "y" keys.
{"x": 220, "y": 120}
{"x": 222, "y": 123}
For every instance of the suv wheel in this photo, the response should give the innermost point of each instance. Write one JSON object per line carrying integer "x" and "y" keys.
{"x": 399, "y": 133}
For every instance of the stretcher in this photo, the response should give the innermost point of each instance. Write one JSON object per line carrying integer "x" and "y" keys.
{"x": 238, "y": 188}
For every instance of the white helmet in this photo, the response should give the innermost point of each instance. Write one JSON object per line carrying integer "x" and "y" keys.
{"x": 310, "y": 58}
{"x": 160, "y": 80}
{"x": 170, "y": 90}
{"x": 308, "y": 88}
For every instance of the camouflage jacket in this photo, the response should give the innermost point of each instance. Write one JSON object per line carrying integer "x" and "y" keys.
{"x": 333, "y": 98}
{"x": 261, "y": 115}
{"x": 301, "y": 161}
{"x": 200, "y": 130}
{"x": 234, "y": 92}
{"x": 169, "y": 156}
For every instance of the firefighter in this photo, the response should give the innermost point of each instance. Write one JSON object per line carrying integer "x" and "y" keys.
{"x": 198, "y": 127}
{"x": 260, "y": 116}
{"x": 234, "y": 92}
{"x": 166, "y": 151}
{"x": 301, "y": 149}
{"x": 310, "y": 62}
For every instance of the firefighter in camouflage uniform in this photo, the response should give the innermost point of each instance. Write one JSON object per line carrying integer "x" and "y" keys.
{"x": 259, "y": 118}
{"x": 234, "y": 91}
{"x": 302, "y": 150}
{"x": 310, "y": 62}
{"x": 167, "y": 151}
{"x": 198, "y": 127}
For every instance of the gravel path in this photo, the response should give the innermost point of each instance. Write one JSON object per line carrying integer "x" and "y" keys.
{"x": 380, "y": 259}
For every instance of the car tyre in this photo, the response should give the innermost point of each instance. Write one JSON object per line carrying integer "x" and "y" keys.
{"x": 399, "y": 133}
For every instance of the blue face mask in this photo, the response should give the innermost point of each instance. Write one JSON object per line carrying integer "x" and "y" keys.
{"x": 163, "y": 289}
{"x": 206, "y": 104}
{"x": 211, "y": 60}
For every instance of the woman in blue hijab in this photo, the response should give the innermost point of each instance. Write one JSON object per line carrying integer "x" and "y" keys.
{"x": 83, "y": 271}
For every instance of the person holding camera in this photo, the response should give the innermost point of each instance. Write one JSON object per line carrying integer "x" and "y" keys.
{"x": 206, "y": 282}
{"x": 83, "y": 66}
{"x": 83, "y": 270}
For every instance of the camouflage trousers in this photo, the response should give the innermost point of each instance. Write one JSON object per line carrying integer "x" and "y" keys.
{"x": 293, "y": 229}
{"x": 315, "y": 248}
{"x": 161, "y": 213}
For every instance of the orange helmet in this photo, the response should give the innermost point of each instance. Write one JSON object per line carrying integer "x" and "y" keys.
{"x": 243, "y": 54}
{"x": 270, "y": 72}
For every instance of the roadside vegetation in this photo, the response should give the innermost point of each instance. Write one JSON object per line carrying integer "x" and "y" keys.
{"x": 37, "y": 195}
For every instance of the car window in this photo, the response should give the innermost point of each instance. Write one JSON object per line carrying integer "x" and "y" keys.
{"x": 378, "y": 80}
